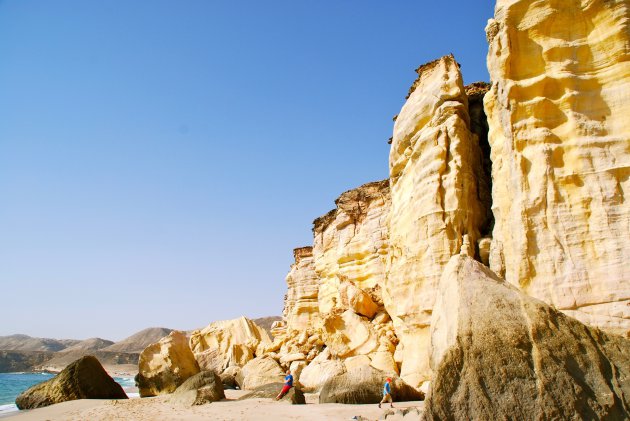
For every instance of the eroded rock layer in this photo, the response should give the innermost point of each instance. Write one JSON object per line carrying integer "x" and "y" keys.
{"x": 560, "y": 137}
{"x": 351, "y": 244}
{"x": 435, "y": 163}
{"x": 301, "y": 308}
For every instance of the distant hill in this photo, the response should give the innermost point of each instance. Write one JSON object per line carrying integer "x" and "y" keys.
{"x": 138, "y": 341}
{"x": 28, "y": 343}
{"x": 266, "y": 322}
{"x": 92, "y": 344}
{"x": 15, "y": 361}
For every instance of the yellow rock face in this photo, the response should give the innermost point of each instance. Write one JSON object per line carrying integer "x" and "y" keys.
{"x": 165, "y": 365}
{"x": 560, "y": 135}
{"x": 301, "y": 308}
{"x": 351, "y": 243}
{"x": 228, "y": 342}
{"x": 434, "y": 174}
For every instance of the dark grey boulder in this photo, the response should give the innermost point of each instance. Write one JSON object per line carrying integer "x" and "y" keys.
{"x": 204, "y": 387}
{"x": 85, "y": 378}
{"x": 510, "y": 356}
{"x": 295, "y": 396}
{"x": 364, "y": 385}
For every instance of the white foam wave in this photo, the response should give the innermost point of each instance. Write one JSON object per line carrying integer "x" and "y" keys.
{"x": 4, "y": 409}
{"x": 133, "y": 395}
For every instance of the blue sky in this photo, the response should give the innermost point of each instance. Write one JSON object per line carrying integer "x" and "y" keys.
{"x": 159, "y": 160}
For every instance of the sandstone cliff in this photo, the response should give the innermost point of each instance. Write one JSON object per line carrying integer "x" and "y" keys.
{"x": 350, "y": 250}
{"x": 560, "y": 137}
{"x": 435, "y": 175}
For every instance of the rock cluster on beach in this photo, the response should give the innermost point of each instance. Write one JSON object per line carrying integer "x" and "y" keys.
{"x": 491, "y": 269}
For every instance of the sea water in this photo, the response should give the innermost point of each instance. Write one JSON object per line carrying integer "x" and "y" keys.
{"x": 12, "y": 384}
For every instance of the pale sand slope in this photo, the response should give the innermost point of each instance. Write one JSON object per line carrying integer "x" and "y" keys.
{"x": 160, "y": 409}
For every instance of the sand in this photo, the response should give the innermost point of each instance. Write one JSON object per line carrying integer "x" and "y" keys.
{"x": 159, "y": 408}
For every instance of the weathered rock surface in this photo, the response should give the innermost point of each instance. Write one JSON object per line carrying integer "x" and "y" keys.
{"x": 365, "y": 385}
{"x": 301, "y": 308}
{"x": 260, "y": 371}
{"x": 498, "y": 353}
{"x": 313, "y": 377}
{"x": 204, "y": 387}
{"x": 351, "y": 243}
{"x": 227, "y": 342}
{"x": 348, "y": 334}
{"x": 435, "y": 179}
{"x": 165, "y": 365}
{"x": 560, "y": 138}
{"x": 83, "y": 379}
{"x": 294, "y": 396}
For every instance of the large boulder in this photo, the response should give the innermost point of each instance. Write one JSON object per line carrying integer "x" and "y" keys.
{"x": 295, "y": 396}
{"x": 260, "y": 371}
{"x": 365, "y": 385}
{"x": 498, "y": 353}
{"x": 83, "y": 379}
{"x": 204, "y": 387}
{"x": 314, "y": 375}
{"x": 165, "y": 365}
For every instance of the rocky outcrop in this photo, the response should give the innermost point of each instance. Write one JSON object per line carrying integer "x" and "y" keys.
{"x": 435, "y": 179}
{"x": 165, "y": 365}
{"x": 83, "y": 379}
{"x": 301, "y": 308}
{"x": 295, "y": 396}
{"x": 260, "y": 371}
{"x": 364, "y": 385}
{"x": 560, "y": 136}
{"x": 350, "y": 244}
{"x": 228, "y": 342}
{"x": 204, "y": 387}
{"x": 498, "y": 353}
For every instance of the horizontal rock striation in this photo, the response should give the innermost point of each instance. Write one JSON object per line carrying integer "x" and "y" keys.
{"x": 560, "y": 136}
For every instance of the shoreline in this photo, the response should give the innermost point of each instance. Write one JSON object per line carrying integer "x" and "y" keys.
{"x": 159, "y": 407}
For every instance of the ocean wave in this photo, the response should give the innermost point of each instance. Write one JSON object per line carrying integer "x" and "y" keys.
{"x": 133, "y": 395}
{"x": 8, "y": 408}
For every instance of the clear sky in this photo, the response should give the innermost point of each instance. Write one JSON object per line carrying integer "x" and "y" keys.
{"x": 159, "y": 160}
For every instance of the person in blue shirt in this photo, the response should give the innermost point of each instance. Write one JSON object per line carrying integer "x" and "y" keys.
{"x": 288, "y": 384}
{"x": 387, "y": 393}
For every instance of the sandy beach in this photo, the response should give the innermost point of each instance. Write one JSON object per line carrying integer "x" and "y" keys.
{"x": 159, "y": 408}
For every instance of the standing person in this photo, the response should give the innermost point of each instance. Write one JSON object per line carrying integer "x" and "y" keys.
{"x": 288, "y": 384}
{"x": 387, "y": 393}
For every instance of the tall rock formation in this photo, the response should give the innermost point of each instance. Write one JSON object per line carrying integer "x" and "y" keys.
{"x": 560, "y": 136}
{"x": 435, "y": 163}
{"x": 351, "y": 243}
{"x": 350, "y": 251}
{"x": 299, "y": 332}
{"x": 301, "y": 308}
